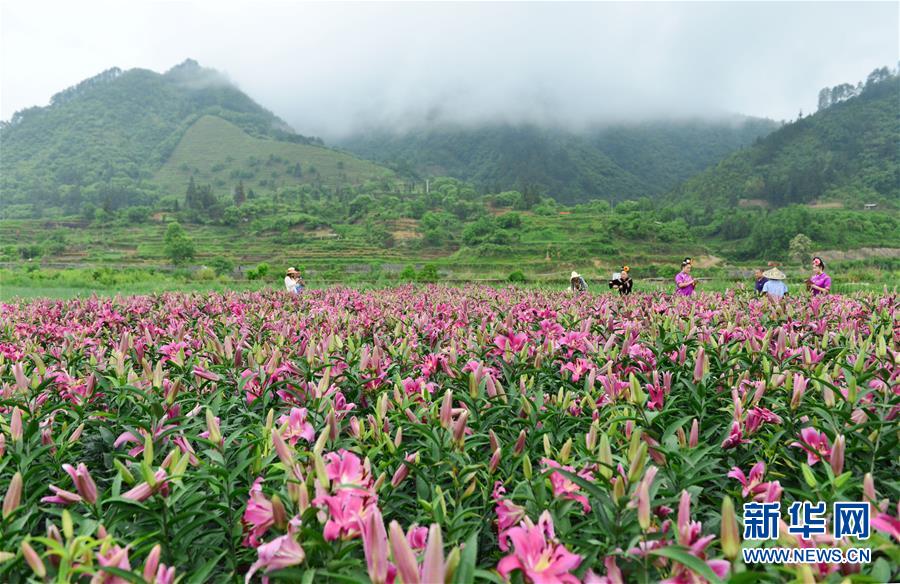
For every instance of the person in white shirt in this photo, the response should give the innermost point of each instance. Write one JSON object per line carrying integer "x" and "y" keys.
{"x": 774, "y": 288}
{"x": 293, "y": 283}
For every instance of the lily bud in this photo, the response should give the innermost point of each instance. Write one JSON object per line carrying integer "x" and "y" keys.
{"x": 526, "y": 467}
{"x": 459, "y": 428}
{"x": 565, "y": 451}
{"x": 212, "y": 425}
{"x": 694, "y": 439}
{"x": 332, "y": 423}
{"x": 618, "y": 488}
{"x": 869, "y": 488}
{"x": 152, "y": 563}
{"x": 701, "y": 365}
{"x": 590, "y": 439}
{"x": 446, "y": 410}
{"x": 837, "y": 455}
{"x": 74, "y": 437}
{"x": 283, "y": 450}
{"x": 636, "y": 467}
{"x": 279, "y": 515}
{"x": 13, "y": 497}
{"x": 495, "y": 442}
{"x": 34, "y": 560}
{"x": 123, "y": 471}
{"x": 495, "y": 461}
{"x": 643, "y": 505}
{"x": 376, "y": 486}
{"x": 606, "y": 459}
{"x": 548, "y": 449}
{"x": 319, "y": 446}
{"x": 15, "y": 425}
{"x": 67, "y": 525}
{"x": 270, "y": 420}
{"x": 731, "y": 542}
{"x": 355, "y": 430}
{"x": 520, "y": 443}
{"x": 321, "y": 473}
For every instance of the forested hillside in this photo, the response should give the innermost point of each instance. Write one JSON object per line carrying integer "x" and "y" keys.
{"x": 103, "y": 144}
{"x": 612, "y": 162}
{"x": 847, "y": 153}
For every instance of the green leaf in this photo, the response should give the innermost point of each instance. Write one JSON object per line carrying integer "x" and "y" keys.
{"x": 201, "y": 575}
{"x": 125, "y": 575}
{"x": 466, "y": 571}
{"x": 490, "y": 576}
{"x": 693, "y": 563}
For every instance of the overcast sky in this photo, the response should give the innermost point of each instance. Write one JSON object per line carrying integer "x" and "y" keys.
{"x": 333, "y": 68}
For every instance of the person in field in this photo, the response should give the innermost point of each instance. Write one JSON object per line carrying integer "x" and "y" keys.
{"x": 819, "y": 282}
{"x": 622, "y": 281}
{"x": 577, "y": 285}
{"x": 293, "y": 282}
{"x": 684, "y": 282}
{"x": 774, "y": 288}
{"x": 760, "y": 281}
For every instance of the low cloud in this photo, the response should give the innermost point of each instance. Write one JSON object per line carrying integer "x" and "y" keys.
{"x": 332, "y": 69}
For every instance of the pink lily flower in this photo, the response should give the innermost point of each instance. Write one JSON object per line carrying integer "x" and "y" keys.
{"x": 345, "y": 468}
{"x": 815, "y": 444}
{"x": 345, "y": 512}
{"x": 757, "y": 416}
{"x": 510, "y": 344}
{"x": 282, "y": 552}
{"x": 259, "y": 515}
{"x": 115, "y": 557}
{"x": 753, "y": 481}
{"x": 565, "y": 488}
{"x": 735, "y": 437}
{"x": 297, "y": 427}
{"x": 538, "y": 556}
{"x": 888, "y": 524}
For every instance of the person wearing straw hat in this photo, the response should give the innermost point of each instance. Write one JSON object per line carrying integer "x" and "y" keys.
{"x": 774, "y": 288}
{"x": 684, "y": 282}
{"x": 293, "y": 282}
{"x": 577, "y": 283}
{"x": 622, "y": 281}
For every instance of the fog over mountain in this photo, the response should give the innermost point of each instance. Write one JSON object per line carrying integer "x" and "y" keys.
{"x": 335, "y": 69}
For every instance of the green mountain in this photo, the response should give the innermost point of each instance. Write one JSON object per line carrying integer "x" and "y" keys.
{"x": 130, "y": 138}
{"x": 846, "y": 154}
{"x": 613, "y": 162}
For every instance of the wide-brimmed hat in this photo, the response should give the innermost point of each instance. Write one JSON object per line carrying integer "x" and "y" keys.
{"x": 292, "y": 271}
{"x": 575, "y": 275}
{"x": 774, "y": 274}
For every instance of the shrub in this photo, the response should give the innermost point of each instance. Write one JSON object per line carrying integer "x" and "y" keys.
{"x": 205, "y": 274}
{"x": 222, "y": 266}
{"x": 429, "y": 274}
{"x": 517, "y": 277}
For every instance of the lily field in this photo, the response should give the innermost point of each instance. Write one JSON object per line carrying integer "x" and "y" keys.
{"x": 442, "y": 434}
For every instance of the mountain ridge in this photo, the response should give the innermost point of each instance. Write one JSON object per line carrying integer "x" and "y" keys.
{"x": 102, "y": 141}
{"x": 572, "y": 166}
